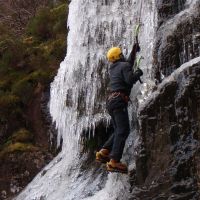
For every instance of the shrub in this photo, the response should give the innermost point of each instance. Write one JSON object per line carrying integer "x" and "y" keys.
{"x": 59, "y": 49}
{"x": 12, "y": 52}
{"x": 42, "y": 76}
{"x": 8, "y": 103}
{"x": 25, "y": 61}
{"x": 16, "y": 147}
{"x": 4, "y": 86}
{"x": 60, "y": 17}
{"x": 22, "y": 135}
{"x": 41, "y": 25}
{"x": 54, "y": 50}
{"x": 24, "y": 89}
{"x": 48, "y": 23}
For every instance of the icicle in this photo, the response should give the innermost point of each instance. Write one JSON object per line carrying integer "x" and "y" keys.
{"x": 94, "y": 27}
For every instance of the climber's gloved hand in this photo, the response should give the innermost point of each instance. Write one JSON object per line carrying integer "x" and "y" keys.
{"x": 138, "y": 72}
{"x": 136, "y": 47}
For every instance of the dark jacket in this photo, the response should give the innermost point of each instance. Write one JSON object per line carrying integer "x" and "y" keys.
{"x": 121, "y": 74}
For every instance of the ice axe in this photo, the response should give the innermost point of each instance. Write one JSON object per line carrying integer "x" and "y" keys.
{"x": 137, "y": 64}
{"x": 140, "y": 58}
{"x": 136, "y": 33}
{"x": 137, "y": 28}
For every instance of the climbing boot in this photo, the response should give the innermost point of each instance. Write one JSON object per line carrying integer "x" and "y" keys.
{"x": 115, "y": 166}
{"x": 102, "y": 156}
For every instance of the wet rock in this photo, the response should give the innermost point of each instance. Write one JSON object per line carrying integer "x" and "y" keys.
{"x": 168, "y": 8}
{"x": 25, "y": 156}
{"x": 177, "y": 38}
{"x": 19, "y": 169}
{"x": 3, "y": 194}
{"x": 169, "y": 130}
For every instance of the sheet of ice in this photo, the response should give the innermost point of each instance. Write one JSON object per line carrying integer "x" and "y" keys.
{"x": 173, "y": 77}
{"x": 77, "y": 97}
{"x": 78, "y": 101}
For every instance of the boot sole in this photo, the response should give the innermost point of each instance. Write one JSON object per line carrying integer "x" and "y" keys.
{"x": 109, "y": 169}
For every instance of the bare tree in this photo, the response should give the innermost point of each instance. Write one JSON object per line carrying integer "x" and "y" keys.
{"x": 16, "y": 13}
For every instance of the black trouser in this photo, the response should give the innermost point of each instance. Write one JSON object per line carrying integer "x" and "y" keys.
{"x": 119, "y": 115}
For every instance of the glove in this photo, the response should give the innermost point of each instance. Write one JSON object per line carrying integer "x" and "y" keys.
{"x": 138, "y": 72}
{"x": 136, "y": 47}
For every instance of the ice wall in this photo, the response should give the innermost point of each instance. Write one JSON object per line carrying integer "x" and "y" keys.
{"x": 78, "y": 96}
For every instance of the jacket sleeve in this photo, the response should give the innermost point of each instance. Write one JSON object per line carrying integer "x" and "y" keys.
{"x": 132, "y": 56}
{"x": 129, "y": 76}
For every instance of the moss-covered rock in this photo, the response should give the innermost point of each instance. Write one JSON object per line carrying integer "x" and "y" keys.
{"x": 24, "y": 89}
{"x": 8, "y": 103}
{"x": 40, "y": 26}
{"x": 59, "y": 14}
{"x": 48, "y": 23}
{"x": 28, "y": 63}
{"x": 12, "y": 53}
{"x": 17, "y": 147}
{"x": 22, "y": 135}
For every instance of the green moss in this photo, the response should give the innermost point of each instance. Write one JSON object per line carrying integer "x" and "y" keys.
{"x": 54, "y": 49}
{"x": 20, "y": 141}
{"x": 11, "y": 51}
{"x": 17, "y": 147}
{"x": 8, "y": 103}
{"x": 27, "y": 61}
{"x": 4, "y": 86}
{"x": 59, "y": 49}
{"x": 40, "y": 26}
{"x": 28, "y": 40}
{"x": 59, "y": 11}
{"x": 48, "y": 23}
{"x": 24, "y": 89}
{"x": 60, "y": 16}
{"x": 22, "y": 135}
{"x": 4, "y": 30}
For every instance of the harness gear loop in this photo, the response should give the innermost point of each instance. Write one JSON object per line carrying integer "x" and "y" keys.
{"x": 114, "y": 95}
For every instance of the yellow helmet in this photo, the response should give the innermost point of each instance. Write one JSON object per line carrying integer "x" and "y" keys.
{"x": 114, "y": 54}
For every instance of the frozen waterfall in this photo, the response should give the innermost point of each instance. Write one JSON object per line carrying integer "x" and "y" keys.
{"x": 78, "y": 97}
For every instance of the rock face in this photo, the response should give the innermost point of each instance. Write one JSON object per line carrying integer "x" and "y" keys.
{"x": 168, "y": 165}
{"x": 24, "y": 157}
{"x": 18, "y": 169}
{"x": 178, "y": 36}
{"x": 168, "y": 162}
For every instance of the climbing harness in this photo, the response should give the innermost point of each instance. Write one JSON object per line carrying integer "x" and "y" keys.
{"x": 114, "y": 95}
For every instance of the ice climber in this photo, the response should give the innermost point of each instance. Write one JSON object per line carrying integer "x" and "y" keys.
{"x": 122, "y": 78}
